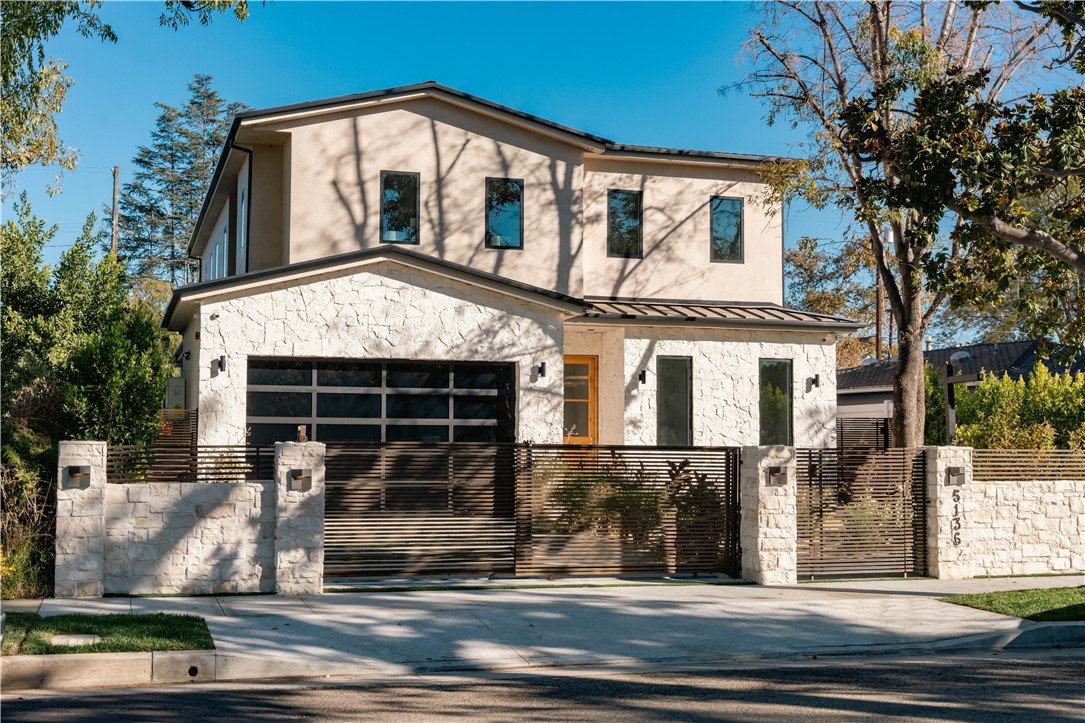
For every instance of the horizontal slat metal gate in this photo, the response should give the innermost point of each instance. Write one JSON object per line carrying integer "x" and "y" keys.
{"x": 418, "y": 509}
{"x": 861, "y": 512}
{"x": 614, "y": 510}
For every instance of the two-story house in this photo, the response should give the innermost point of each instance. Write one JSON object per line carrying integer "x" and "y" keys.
{"x": 419, "y": 264}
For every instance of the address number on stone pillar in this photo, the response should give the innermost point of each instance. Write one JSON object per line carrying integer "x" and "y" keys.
{"x": 955, "y": 521}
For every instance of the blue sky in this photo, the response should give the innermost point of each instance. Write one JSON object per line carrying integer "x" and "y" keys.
{"x": 640, "y": 73}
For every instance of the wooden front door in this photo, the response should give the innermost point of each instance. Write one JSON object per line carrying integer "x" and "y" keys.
{"x": 581, "y": 400}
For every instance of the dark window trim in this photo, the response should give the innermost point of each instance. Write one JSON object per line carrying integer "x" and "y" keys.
{"x": 690, "y": 401}
{"x": 486, "y": 214}
{"x": 383, "y": 389}
{"x": 790, "y": 399}
{"x": 417, "y": 209}
{"x": 640, "y": 226}
{"x": 742, "y": 230}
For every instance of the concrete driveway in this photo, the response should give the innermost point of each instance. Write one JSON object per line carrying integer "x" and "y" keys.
{"x": 621, "y": 627}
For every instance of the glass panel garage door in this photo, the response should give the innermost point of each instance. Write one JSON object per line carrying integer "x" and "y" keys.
{"x": 354, "y": 401}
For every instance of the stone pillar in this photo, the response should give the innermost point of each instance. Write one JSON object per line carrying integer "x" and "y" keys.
{"x": 80, "y": 542}
{"x": 768, "y": 529}
{"x": 949, "y": 553}
{"x": 299, "y": 521}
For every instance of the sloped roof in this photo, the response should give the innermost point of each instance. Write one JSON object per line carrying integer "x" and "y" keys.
{"x": 713, "y": 313}
{"x": 1015, "y": 358}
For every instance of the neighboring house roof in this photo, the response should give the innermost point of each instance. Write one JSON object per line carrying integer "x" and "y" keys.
{"x": 185, "y": 298}
{"x": 712, "y": 313}
{"x": 594, "y": 144}
{"x": 1015, "y": 358}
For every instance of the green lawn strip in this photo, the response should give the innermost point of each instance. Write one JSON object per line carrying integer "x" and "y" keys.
{"x": 119, "y": 633}
{"x": 1052, "y": 605}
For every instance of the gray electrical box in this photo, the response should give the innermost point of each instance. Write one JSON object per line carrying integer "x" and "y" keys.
{"x": 175, "y": 393}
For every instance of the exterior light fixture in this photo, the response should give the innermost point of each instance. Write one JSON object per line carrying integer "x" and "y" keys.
{"x": 955, "y": 476}
{"x": 220, "y": 363}
{"x": 777, "y": 475}
{"x": 541, "y": 369}
{"x": 643, "y": 376}
{"x": 815, "y": 381}
{"x": 78, "y": 477}
{"x": 301, "y": 480}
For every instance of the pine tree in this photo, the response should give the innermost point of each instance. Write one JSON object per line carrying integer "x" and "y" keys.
{"x": 158, "y": 208}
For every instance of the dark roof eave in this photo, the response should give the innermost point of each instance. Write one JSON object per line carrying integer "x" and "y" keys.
{"x": 390, "y": 252}
{"x": 686, "y": 153}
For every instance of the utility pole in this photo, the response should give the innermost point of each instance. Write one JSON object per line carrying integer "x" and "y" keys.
{"x": 878, "y": 315}
{"x": 116, "y": 197}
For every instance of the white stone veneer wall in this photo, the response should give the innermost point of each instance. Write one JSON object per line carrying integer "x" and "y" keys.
{"x": 725, "y": 382}
{"x": 384, "y": 311}
{"x": 194, "y": 538}
{"x": 1026, "y": 527}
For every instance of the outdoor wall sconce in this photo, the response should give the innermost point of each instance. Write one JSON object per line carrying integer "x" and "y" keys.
{"x": 643, "y": 376}
{"x": 220, "y": 363}
{"x": 955, "y": 476}
{"x": 301, "y": 480}
{"x": 541, "y": 369}
{"x": 78, "y": 477}
{"x": 777, "y": 475}
{"x": 187, "y": 355}
{"x": 815, "y": 381}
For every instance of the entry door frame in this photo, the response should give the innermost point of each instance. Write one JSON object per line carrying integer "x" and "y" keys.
{"x": 593, "y": 399}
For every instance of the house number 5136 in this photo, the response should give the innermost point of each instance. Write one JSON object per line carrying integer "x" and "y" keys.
{"x": 955, "y": 522}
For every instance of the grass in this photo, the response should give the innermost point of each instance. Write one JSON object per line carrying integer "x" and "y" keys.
{"x": 1054, "y": 605}
{"x": 31, "y": 634}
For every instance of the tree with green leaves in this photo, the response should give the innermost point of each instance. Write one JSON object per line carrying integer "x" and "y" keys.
{"x": 158, "y": 208}
{"x": 813, "y": 62}
{"x": 81, "y": 361}
{"x": 33, "y": 87}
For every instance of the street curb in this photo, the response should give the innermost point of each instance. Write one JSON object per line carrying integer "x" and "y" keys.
{"x": 101, "y": 670}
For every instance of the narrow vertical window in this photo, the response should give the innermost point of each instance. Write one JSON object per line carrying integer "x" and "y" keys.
{"x": 504, "y": 213}
{"x": 624, "y": 227}
{"x": 775, "y": 403}
{"x": 242, "y": 236}
{"x": 674, "y": 395}
{"x": 224, "y": 253}
{"x": 727, "y": 229}
{"x": 399, "y": 207}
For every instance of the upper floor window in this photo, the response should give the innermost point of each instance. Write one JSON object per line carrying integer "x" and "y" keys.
{"x": 399, "y": 207}
{"x": 504, "y": 213}
{"x": 727, "y": 229}
{"x": 624, "y": 224}
{"x": 242, "y": 234}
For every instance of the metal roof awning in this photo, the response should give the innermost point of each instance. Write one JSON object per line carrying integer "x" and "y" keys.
{"x": 719, "y": 314}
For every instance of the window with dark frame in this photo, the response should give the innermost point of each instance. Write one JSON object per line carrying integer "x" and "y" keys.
{"x": 727, "y": 246}
{"x": 399, "y": 207}
{"x": 674, "y": 396}
{"x": 504, "y": 213}
{"x": 775, "y": 404}
{"x": 625, "y": 233}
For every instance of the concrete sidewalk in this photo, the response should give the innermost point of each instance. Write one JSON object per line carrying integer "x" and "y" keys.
{"x": 615, "y": 628}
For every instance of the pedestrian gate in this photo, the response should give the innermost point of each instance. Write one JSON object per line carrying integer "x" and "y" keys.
{"x": 861, "y": 512}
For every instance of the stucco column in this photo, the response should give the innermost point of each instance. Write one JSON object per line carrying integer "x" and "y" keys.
{"x": 299, "y": 522}
{"x": 768, "y": 529}
{"x": 949, "y": 486}
{"x": 80, "y": 542}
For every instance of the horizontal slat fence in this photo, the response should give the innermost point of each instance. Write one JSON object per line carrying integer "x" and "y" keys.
{"x": 993, "y": 465}
{"x": 863, "y": 432}
{"x": 130, "y": 464}
{"x": 179, "y": 427}
{"x": 861, "y": 512}
{"x": 418, "y": 509}
{"x": 614, "y": 510}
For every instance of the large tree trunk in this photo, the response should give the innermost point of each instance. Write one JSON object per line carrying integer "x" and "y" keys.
{"x": 909, "y": 399}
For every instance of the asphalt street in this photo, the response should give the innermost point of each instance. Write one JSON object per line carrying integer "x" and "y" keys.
{"x": 1047, "y": 686}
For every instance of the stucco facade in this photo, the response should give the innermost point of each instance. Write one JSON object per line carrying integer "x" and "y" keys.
{"x": 298, "y": 198}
